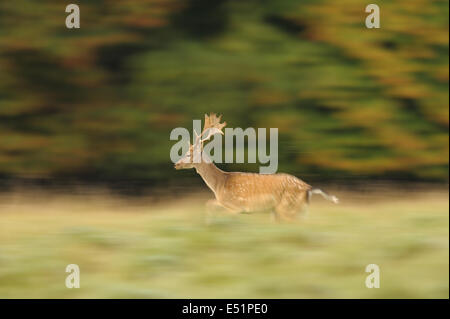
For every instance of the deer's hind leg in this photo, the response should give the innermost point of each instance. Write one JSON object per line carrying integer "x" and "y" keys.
{"x": 292, "y": 206}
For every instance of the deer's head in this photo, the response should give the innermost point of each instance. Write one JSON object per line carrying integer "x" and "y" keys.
{"x": 193, "y": 156}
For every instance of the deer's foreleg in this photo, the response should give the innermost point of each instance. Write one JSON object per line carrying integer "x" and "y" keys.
{"x": 213, "y": 207}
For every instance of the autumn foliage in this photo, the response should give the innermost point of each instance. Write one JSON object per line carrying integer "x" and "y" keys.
{"x": 100, "y": 101}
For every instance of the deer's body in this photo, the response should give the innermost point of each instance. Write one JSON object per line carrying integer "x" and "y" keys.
{"x": 282, "y": 194}
{"x": 238, "y": 192}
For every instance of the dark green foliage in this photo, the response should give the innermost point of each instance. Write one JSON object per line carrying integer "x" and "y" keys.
{"x": 100, "y": 101}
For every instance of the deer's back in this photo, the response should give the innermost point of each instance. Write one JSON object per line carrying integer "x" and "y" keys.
{"x": 248, "y": 191}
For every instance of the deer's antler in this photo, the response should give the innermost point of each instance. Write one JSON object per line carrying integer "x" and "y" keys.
{"x": 211, "y": 126}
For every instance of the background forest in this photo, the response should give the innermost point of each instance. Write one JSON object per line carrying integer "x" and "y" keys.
{"x": 98, "y": 103}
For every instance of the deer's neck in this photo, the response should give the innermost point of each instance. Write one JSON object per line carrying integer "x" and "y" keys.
{"x": 212, "y": 175}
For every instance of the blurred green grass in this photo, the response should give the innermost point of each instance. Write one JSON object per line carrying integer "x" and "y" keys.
{"x": 129, "y": 249}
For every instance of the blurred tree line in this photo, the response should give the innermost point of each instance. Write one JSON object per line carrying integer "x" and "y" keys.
{"x": 99, "y": 102}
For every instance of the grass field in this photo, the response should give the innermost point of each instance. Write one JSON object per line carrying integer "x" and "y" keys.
{"x": 133, "y": 248}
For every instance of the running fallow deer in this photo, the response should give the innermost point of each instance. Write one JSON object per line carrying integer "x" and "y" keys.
{"x": 282, "y": 194}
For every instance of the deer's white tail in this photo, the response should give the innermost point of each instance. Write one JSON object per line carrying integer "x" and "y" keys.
{"x": 332, "y": 198}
